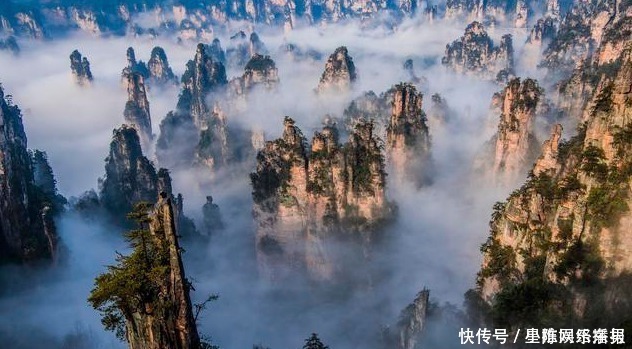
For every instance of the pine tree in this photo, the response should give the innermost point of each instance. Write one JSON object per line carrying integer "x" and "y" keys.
{"x": 313, "y": 342}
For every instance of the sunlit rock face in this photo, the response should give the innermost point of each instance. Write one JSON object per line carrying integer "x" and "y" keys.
{"x": 308, "y": 200}
{"x": 80, "y": 68}
{"x": 339, "y": 74}
{"x": 28, "y": 196}
{"x": 407, "y": 136}
{"x": 136, "y": 111}
{"x": 514, "y": 147}
{"x": 475, "y": 53}
{"x": 568, "y": 227}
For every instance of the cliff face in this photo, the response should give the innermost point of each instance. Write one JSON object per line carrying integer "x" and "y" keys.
{"x": 145, "y": 297}
{"x": 28, "y": 197}
{"x": 129, "y": 176}
{"x": 564, "y": 236}
{"x": 475, "y": 53}
{"x": 136, "y": 111}
{"x": 305, "y": 200}
{"x": 80, "y": 68}
{"x": 339, "y": 74}
{"x": 514, "y": 144}
{"x": 407, "y": 136}
{"x": 133, "y": 66}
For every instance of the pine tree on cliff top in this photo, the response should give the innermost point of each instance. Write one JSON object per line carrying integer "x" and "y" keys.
{"x": 313, "y": 342}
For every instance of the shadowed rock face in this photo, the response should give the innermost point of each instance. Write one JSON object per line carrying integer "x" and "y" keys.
{"x": 129, "y": 176}
{"x": 339, "y": 74}
{"x": 196, "y": 130}
{"x": 305, "y": 199}
{"x": 28, "y": 196}
{"x": 475, "y": 53}
{"x": 10, "y": 44}
{"x": 80, "y": 68}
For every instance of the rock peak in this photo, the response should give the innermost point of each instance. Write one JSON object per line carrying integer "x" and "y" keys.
{"x": 80, "y": 68}
{"x": 136, "y": 111}
{"x": 340, "y": 72}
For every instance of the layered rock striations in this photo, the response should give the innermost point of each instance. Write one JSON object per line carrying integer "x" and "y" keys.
{"x": 339, "y": 74}
{"x": 136, "y": 111}
{"x": 308, "y": 200}
{"x": 80, "y": 68}
{"x": 559, "y": 247}
{"x": 28, "y": 194}
{"x": 514, "y": 146}
{"x": 407, "y": 135}
{"x": 475, "y": 53}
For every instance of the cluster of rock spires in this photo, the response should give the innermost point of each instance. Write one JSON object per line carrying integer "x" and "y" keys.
{"x": 514, "y": 13}
{"x": 181, "y": 131}
{"x": 28, "y": 193}
{"x": 131, "y": 178}
{"x": 400, "y": 120}
{"x": 189, "y": 20}
{"x": 475, "y": 53}
{"x": 157, "y": 70}
{"x": 563, "y": 237}
{"x": 80, "y": 68}
{"x": 309, "y": 199}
